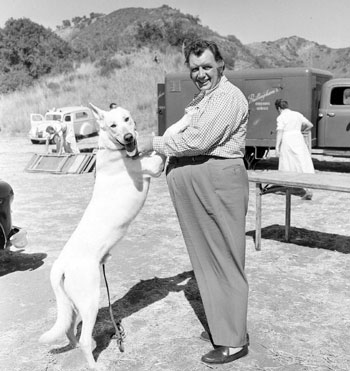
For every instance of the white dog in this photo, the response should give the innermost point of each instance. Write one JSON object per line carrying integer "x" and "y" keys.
{"x": 120, "y": 190}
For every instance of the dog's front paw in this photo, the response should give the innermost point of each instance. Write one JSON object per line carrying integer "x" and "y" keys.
{"x": 153, "y": 165}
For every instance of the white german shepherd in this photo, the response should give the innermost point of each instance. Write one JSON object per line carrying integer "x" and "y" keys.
{"x": 120, "y": 191}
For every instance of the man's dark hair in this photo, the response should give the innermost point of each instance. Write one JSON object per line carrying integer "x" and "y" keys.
{"x": 197, "y": 47}
{"x": 280, "y": 103}
{"x": 50, "y": 129}
{"x": 113, "y": 105}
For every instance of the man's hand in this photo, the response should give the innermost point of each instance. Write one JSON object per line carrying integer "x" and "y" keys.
{"x": 145, "y": 144}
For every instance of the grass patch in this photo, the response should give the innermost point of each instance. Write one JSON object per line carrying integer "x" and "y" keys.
{"x": 130, "y": 80}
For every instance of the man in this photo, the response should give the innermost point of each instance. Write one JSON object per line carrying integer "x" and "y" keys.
{"x": 55, "y": 134}
{"x": 62, "y": 134}
{"x": 208, "y": 185}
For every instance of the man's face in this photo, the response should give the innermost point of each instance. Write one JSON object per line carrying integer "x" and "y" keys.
{"x": 204, "y": 70}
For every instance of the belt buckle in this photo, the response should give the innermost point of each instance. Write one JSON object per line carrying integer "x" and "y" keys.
{"x": 193, "y": 159}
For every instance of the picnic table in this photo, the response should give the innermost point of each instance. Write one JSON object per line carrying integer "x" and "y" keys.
{"x": 328, "y": 181}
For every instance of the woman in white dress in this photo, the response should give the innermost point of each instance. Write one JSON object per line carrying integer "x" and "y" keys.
{"x": 291, "y": 148}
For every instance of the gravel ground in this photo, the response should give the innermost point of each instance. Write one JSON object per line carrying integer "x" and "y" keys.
{"x": 299, "y": 291}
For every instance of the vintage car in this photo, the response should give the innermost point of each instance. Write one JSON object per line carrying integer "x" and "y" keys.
{"x": 82, "y": 118}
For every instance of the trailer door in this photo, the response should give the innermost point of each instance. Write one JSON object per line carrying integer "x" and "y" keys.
{"x": 261, "y": 95}
{"x": 161, "y": 109}
{"x": 335, "y": 120}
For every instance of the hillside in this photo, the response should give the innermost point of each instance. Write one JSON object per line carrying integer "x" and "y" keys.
{"x": 120, "y": 30}
{"x": 104, "y": 58}
{"x": 295, "y": 51}
{"x": 159, "y": 28}
{"x": 103, "y": 39}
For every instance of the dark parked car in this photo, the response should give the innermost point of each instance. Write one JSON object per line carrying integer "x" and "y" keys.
{"x": 9, "y": 234}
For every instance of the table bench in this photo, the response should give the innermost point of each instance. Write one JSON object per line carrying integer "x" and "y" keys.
{"x": 323, "y": 180}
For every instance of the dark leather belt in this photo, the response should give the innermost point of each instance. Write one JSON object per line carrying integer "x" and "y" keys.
{"x": 194, "y": 159}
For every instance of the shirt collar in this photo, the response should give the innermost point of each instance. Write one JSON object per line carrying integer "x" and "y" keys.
{"x": 223, "y": 79}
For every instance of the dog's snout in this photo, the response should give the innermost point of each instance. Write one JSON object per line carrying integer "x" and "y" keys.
{"x": 128, "y": 137}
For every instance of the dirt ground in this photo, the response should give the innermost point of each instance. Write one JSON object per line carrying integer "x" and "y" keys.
{"x": 299, "y": 299}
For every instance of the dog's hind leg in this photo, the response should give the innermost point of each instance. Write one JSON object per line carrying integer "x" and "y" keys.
{"x": 65, "y": 311}
{"x": 88, "y": 315}
{"x": 84, "y": 290}
{"x": 71, "y": 331}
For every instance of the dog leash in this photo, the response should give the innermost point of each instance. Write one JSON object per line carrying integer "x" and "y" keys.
{"x": 119, "y": 330}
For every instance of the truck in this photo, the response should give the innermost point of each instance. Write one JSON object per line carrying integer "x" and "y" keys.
{"x": 324, "y": 100}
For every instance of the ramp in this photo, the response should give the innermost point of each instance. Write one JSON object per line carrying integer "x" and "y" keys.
{"x": 62, "y": 164}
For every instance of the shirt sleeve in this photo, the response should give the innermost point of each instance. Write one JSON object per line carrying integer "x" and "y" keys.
{"x": 58, "y": 129}
{"x": 280, "y": 125}
{"x": 214, "y": 123}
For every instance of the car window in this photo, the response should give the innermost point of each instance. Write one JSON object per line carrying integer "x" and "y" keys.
{"x": 53, "y": 116}
{"x": 340, "y": 96}
{"x": 81, "y": 115}
{"x": 67, "y": 118}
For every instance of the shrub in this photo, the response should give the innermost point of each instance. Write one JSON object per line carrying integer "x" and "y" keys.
{"x": 109, "y": 65}
{"x": 54, "y": 86}
{"x": 14, "y": 80}
{"x": 29, "y": 51}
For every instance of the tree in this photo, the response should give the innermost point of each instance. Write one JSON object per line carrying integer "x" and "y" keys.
{"x": 66, "y": 23}
{"x": 76, "y": 21}
{"x": 29, "y": 49}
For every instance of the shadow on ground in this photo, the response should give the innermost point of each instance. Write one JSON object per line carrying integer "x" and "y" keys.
{"x": 305, "y": 237}
{"x": 143, "y": 294}
{"x": 12, "y": 261}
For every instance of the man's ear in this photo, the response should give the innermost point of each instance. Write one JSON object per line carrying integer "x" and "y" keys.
{"x": 221, "y": 66}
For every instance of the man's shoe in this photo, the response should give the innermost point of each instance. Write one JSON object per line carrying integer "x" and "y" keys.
{"x": 206, "y": 337}
{"x": 222, "y": 355}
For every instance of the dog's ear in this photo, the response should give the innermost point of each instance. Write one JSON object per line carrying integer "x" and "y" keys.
{"x": 99, "y": 116}
{"x": 98, "y": 112}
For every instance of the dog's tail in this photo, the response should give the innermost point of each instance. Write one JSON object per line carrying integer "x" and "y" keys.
{"x": 65, "y": 310}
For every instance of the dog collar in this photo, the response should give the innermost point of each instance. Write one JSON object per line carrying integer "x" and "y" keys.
{"x": 114, "y": 149}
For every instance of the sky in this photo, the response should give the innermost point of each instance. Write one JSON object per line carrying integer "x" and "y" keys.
{"x": 326, "y": 22}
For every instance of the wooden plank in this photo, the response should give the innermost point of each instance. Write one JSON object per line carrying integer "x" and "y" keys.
{"x": 64, "y": 169}
{"x": 258, "y": 195}
{"x": 325, "y": 180}
{"x": 288, "y": 204}
{"x": 90, "y": 164}
{"x": 61, "y": 164}
{"x": 46, "y": 163}
{"x": 85, "y": 163}
{"x": 77, "y": 162}
{"x": 32, "y": 161}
